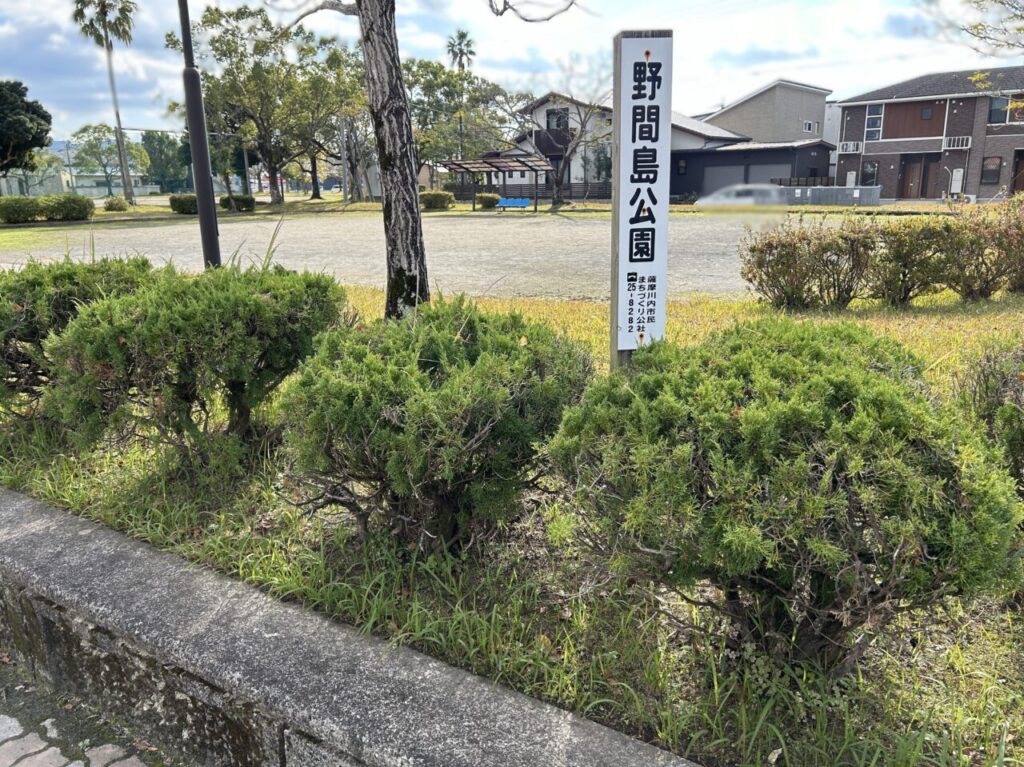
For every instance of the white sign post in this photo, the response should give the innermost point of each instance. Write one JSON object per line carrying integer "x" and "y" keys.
{"x": 642, "y": 164}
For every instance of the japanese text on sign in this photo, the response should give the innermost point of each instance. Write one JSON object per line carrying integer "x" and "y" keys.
{"x": 644, "y": 113}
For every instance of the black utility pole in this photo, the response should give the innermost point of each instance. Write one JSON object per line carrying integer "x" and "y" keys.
{"x": 200, "y": 146}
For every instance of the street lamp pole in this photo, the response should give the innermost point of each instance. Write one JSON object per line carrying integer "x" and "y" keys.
{"x": 199, "y": 143}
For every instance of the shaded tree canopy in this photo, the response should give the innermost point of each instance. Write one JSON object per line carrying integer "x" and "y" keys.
{"x": 24, "y": 127}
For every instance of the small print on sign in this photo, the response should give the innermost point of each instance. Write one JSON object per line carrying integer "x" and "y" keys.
{"x": 644, "y": 110}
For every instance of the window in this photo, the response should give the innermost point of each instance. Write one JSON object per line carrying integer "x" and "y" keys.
{"x": 808, "y": 126}
{"x": 873, "y": 124}
{"x": 558, "y": 119}
{"x": 991, "y": 168}
{"x": 869, "y": 173}
{"x": 817, "y": 126}
{"x": 926, "y": 113}
{"x": 681, "y": 167}
{"x": 998, "y": 106}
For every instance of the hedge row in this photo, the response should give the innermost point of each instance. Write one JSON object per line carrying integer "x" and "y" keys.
{"x": 244, "y": 203}
{"x": 802, "y": 471}
{"x": 57, "y": 207}
{"x": 115, "y": 205}
{"x": 185, "y": 204}
{"x": 437, "y": 200}
{"x": 974, "y": 253}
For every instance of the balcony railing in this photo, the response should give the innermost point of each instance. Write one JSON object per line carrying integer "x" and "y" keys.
{"x": 849, "y": 147}
{"x": 957, "y": 142}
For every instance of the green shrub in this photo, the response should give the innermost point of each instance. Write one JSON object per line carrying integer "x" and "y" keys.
{"x": 780, "y": 265}
{"x": 907, "y": 261}
{"x": 1008, "y": 231}
{"x": 844, "y": 256}
{"x": 67, "y": 207}
{"x": 41, "y": 299}
{"x": 803, "y": 471}
{"x": 159, "y": 362}
{"x": 433, "y": 421}
{"x": 437, "y": 200}
{"x": 486, "y": 201}
{"x": 243, "y": 203}
{"x": 800, "y": 265}
{"x": 186, "y": 204}
{"x": 993, "y": 390}
{"x": 115, "y": 205}
{"x": 19, "y": 210}
{"x": 971, "y": 264}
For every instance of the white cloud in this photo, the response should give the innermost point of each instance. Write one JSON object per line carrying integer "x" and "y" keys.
{"x": 837, "y": 44}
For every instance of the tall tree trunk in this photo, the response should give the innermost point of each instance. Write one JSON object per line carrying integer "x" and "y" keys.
{"x": 276, "y": 195}
{"x": 122, "y": 154}
{"x": 315, "y": 177}
{"x": 226, "y": 179}
{"x": 407, "y": 284}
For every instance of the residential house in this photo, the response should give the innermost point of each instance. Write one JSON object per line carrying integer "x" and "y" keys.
{"x": 949, "y": 133}
{"x": 781, "y": 111}
{"x": 705, "y": 156}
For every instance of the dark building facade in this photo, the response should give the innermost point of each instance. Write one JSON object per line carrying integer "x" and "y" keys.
{"x": 944, "y": 134}
{"x": 706, "y": 170}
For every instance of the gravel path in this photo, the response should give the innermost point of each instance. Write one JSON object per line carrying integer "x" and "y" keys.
{"x": 496, "y": 254}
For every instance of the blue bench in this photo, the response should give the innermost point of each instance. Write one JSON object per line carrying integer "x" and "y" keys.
{"x": 514, "y": 202}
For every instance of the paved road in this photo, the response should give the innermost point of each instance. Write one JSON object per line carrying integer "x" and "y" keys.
{"x": 505, "y": 254}
{"x": 39, "y": 729}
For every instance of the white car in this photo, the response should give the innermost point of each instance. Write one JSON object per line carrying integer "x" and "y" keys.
{"x": 746, "y": 194}
{"x": 334, "y": 188}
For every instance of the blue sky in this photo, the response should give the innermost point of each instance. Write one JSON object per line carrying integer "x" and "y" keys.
{"x": 723, "y": 49}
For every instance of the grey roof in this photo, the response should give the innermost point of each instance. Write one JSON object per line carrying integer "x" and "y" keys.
{"x": 748, "y": 146}
{"x": 947, "y": 84}
{"x": 701, "y": 128}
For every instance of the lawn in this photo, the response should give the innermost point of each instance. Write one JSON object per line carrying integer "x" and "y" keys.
{"x": 527, "y": 610}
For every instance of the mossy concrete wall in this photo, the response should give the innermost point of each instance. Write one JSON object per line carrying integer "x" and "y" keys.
{"x": 216, "y": 670}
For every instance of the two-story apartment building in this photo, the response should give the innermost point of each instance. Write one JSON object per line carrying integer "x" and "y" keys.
{"x": 942, "y": 134}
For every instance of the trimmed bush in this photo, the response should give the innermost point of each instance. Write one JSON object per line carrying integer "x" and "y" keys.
{"x": 1008, "y": 230}
{"x": 19, "y": 210}
{"x": 115, "y": 205}
{"x": 799, "y": 266}
{"x": 972, "y": 265}
{"x": 185, "y": 204}
{"x": 437, "y": 200}
{"x": 433, "y": 421}
{"x": 486, "y": 201}
{"x": 993, "y": 390}
{"x": 67, "y": 207}
{"x": 804, "y": 472}
{"x": 907, "y": 263}
{"x": 159, "y": 362}
{"x": 845, "y": 254}
{"x": 243, "y": 203}
{"x": 780, "y": 265}
{"x": 41, "y": 299}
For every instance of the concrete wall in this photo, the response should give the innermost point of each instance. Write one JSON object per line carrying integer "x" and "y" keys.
{"x": 207, "y": 666}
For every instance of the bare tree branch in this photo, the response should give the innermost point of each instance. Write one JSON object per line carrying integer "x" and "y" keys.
{"x": 346, "y": 9}
{"x": 533, "y": 11}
